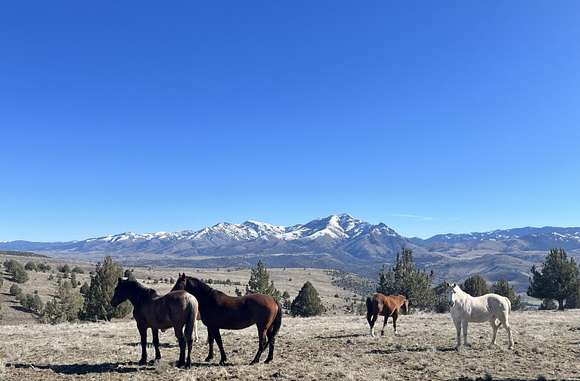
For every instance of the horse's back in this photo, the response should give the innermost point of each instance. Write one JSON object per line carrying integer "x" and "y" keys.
{"x": 230, "y": 312}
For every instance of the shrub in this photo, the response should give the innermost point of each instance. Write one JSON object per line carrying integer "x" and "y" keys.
{"x": 307, "y": 303}
{"x": 15, "y": 290}
{"x": 475, "y": 285}
{"x": 66, "y": 306}
{"x": 16, "y": 270}
{"x": 43, "y": 267}
{"x": 30, "y": 266}
{"x": 65, "y": 269}
{"x": 78, "y": 270}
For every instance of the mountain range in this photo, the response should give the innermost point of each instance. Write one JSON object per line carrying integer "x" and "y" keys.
{"x": 337, "y": 241}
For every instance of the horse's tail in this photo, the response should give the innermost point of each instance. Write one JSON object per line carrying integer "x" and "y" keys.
{"x": 369, "y": 308}
{"x": 509, "y": 303}
{"x": 277, "y": 321}
{"x": 191, "y": 312}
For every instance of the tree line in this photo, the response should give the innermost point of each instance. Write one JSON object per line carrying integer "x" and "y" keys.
{"x": 557, "y": 280}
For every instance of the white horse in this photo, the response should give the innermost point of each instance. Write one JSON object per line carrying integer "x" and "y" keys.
{"x": 489, "y": 307}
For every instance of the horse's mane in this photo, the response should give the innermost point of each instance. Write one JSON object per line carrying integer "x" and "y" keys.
{"x": 205, "y": 289}
{"x": 140, "y": 290}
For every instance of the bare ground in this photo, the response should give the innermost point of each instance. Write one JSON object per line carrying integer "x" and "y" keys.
{"x": 322, "y": 348}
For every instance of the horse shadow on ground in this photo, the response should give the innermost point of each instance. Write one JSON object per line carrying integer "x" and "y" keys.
{"x": 79, "y": 369}
{"x": 414, "y": 349}
{"x": 150, "y": 345}
{"x": 332, "y": 337}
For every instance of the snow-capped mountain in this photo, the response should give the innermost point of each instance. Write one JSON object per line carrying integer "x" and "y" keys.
{"x": 337, "y": 241}
{"x": 338, "y": 232}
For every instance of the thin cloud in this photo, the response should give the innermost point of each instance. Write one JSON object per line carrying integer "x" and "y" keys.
{"x": 412, "y": 216}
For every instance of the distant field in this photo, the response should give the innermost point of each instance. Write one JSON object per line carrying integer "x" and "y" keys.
{"x": 335, "y": 299}
{"x": 322, "y": 348}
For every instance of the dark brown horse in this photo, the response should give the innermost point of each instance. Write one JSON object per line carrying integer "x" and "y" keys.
{"x": 220, "y": 311}
{"x": 386, "y": 306}
{"x": 177, "y": 309}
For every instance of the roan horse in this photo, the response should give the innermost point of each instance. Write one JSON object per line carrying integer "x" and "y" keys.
{"x": 177, "y": 309}
{"x": 489, "y": 307}
{"x": 220, "y": 311}
{"x": 386, "y": 306}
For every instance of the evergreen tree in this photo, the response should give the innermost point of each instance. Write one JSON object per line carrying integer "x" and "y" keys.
{"x": 78, "y": 270}
{"x": 307, "y": 303}
{"x": 15, "y": 290}
{"x": 98, "y": 297}
{"x": 30, "y": 266}
{"x": 84, "y": 288}
{"x": 503, "y": 288}
{"x": 475, "y": 285}
{"x": 548, "y": 304}
{"x": 16, "y": 270}
{"x": 260, "y": 283}
{"x": 406, "y": 279}
{"x": 557, "y": 280}
{"x": 73, "y": 280}
{"x": 65, "y": 306}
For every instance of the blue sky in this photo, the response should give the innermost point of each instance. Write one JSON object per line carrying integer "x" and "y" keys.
{"x": 432, "y": 117}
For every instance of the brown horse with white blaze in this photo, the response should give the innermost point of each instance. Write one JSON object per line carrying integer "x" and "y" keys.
{"x": 386, "y": 306}
{"x": 221, "y": 311}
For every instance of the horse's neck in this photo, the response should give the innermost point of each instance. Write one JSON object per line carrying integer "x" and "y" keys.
{"x": 463, "y": 297}
{"x": 141, "y": 295}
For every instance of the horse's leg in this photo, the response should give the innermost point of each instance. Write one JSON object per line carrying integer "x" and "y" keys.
{"x": 271, "y": 342}
{"x": 156, "y": 344}
{"x": 210, "y": 344}
{"x": 181, "y": 340}
{"x": 464, "y": 324}
{"x": 384, "y": 324}
{"x": 395, "y": 317}
{"x": 458, "y": 329}
{"x": 143, "y": 332}
{"x": 372, "y": 323}
{"x": 504, "y": 319}
{"x": 261, "y": 344}
{"x": 218, "y": 340}
{"x": 494, "y": 328}
{"x": 189, "y": 337}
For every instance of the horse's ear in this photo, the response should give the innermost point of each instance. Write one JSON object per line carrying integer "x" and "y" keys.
{"x": 182, "y": 276}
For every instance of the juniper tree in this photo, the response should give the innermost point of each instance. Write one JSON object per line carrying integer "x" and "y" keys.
{"x": 307, "y": 302}
{"x": 558, "y": 278}
{"x": 65, "y": 306}
{"x": 260, "y": 282}
{"x": 406, "y": 279}
{"x": 475, "y": 285}
{"x": 98, "y": 296}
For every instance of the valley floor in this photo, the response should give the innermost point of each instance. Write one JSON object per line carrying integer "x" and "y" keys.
{"x": 322, "y": 348}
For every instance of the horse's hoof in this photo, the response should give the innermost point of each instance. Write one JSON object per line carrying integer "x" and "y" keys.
{"x": 254, "y": 362}
{"x": 188, "y": 365}
{"x": 268, "y": 360}
{"x": 382, "y": 333}
{"x": 208, "y": 358}
{"x": 142, "y": 362}
{"x": 222, "y": 362}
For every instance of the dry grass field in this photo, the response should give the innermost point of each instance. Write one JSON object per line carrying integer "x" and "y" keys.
{"x": 334, "y": 298}
{"x": 322, "y": 348}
